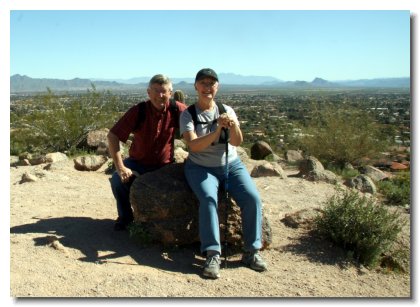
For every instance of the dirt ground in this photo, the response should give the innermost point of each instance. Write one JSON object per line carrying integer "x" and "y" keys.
{"x": 62, "y": 244}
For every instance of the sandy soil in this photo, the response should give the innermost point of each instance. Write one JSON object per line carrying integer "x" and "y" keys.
{"x": 62, "y": 244}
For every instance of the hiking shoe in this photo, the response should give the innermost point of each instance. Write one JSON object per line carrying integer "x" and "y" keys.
{"x": 212, "y": 267}
{"x": 121, "y": 224}
{"x": 254, "y": 261}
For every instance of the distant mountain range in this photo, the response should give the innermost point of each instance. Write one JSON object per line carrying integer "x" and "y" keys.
{"x": 225, "y": 78}
{"x": 23, "y": 84}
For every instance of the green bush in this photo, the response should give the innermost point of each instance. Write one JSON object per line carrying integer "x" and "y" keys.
{"x": 396, "y": 190}
{"x": 359, "y": 225}
{"x": 59, "y": 123}
{"x": 340, "y": 135}
{"x": 345, "y": 173}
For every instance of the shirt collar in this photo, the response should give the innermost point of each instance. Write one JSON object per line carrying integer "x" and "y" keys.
{"x": 156, "y": 112}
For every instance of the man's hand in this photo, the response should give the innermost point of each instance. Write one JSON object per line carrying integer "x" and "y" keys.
{"x": 125, "y": 174}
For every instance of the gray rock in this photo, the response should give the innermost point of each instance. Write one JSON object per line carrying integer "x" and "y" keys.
{"x": 313, "y": 170}
{"x": 89, "y": 163}
{"x": 94, "y": 138}
{"x": 374, "y": 173}
{"x": 362, "y": 183}
{"x": 293, "y": 156}
{"x": 167, "y": 208}
{"x": 302, "y": 218}
{"x": 14, "y": 160}
{"x": 27, "y": 177}
{"x": 268, "y": 169}
{"x": 55, "y": 157}
{"x": 309, "y": 165}
{"x": 324, "y": 175}
{"x": 260, "y": 150}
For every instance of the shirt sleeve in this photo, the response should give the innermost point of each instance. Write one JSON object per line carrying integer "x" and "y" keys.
{"x": 185, "y": 122}
{"x": 126, "y": 124}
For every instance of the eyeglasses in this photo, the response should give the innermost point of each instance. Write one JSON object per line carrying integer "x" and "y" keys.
{"x": 207, "y": 84}
{"x": 158, "y": 91}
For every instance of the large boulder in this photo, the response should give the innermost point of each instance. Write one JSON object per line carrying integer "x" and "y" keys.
{"x": 313, "y": 170}
{"x": 301, "y": 219}
{"x": 167, "y": 209}
{"x": 89, "y": 163}
{"x": 260, "y": 150}
{"x": 268, "y": 169}
{"x": 55, "y": 157}
{"x": 362, "y": 183}
{"x": 310, "y": 164}
{"x": 374, "y": 173}
{"x": 95, "y": 139}
{"x": 293, "y": 156}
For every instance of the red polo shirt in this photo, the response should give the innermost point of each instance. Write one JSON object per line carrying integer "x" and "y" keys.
{"x": 152, "y": 144}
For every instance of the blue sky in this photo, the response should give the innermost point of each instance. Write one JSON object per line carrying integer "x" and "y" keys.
{"x": 288, "y": 45}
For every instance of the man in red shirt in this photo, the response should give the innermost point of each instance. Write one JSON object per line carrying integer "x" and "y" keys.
{"x": 152, "y": 146}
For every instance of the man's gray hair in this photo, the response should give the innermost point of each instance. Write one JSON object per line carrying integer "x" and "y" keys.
{"x": 161, "y": 80}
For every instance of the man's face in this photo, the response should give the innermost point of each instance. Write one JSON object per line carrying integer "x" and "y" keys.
{"x": 159, "y": 95}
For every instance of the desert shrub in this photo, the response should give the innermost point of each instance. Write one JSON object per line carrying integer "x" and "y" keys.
{"x": 396, "y": 190}
{"x": 59, "y": 123}
{"x": 359, "y": 225}
{"x": 340, "y": 135}
{"x": 345, "y": 173}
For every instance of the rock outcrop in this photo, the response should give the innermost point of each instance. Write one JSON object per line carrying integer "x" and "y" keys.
{"x": 268, "y": 169}
{"x": 89, "y": 163}
{"x": 95, "y": 139}
{"x": 362, "y": 183}
{"x": 260, "y": 150}
{"x": 293, "y": 156}
{"x": 167, "y": 209}
{"x": 313, "y": 170}
{"x": 374, "y": 173}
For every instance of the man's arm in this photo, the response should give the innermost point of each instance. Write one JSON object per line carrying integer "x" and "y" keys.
{"x": 115, "y": 152}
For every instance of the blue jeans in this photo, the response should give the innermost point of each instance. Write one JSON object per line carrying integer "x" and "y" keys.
{"x": 205, "y": 181}
{"x": 121, "y": 190}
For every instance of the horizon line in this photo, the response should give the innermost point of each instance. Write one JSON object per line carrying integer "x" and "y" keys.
{"x": 239, "y": 75}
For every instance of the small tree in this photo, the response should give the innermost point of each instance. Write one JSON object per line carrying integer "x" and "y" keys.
{"x": 340, "y": 135}
{"x": 59, "y": 123}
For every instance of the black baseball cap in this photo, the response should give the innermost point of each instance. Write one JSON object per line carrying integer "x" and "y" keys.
{"x": 205, "y": 73}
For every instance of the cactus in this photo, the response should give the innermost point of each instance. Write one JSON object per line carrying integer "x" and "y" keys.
{"x": 179, "y": 96}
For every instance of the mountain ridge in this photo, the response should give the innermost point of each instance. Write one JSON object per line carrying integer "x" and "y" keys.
{"x": 22, "y": 83}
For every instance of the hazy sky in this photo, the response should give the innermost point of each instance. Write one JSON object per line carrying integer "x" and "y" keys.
{"x": 288, "y": 45}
